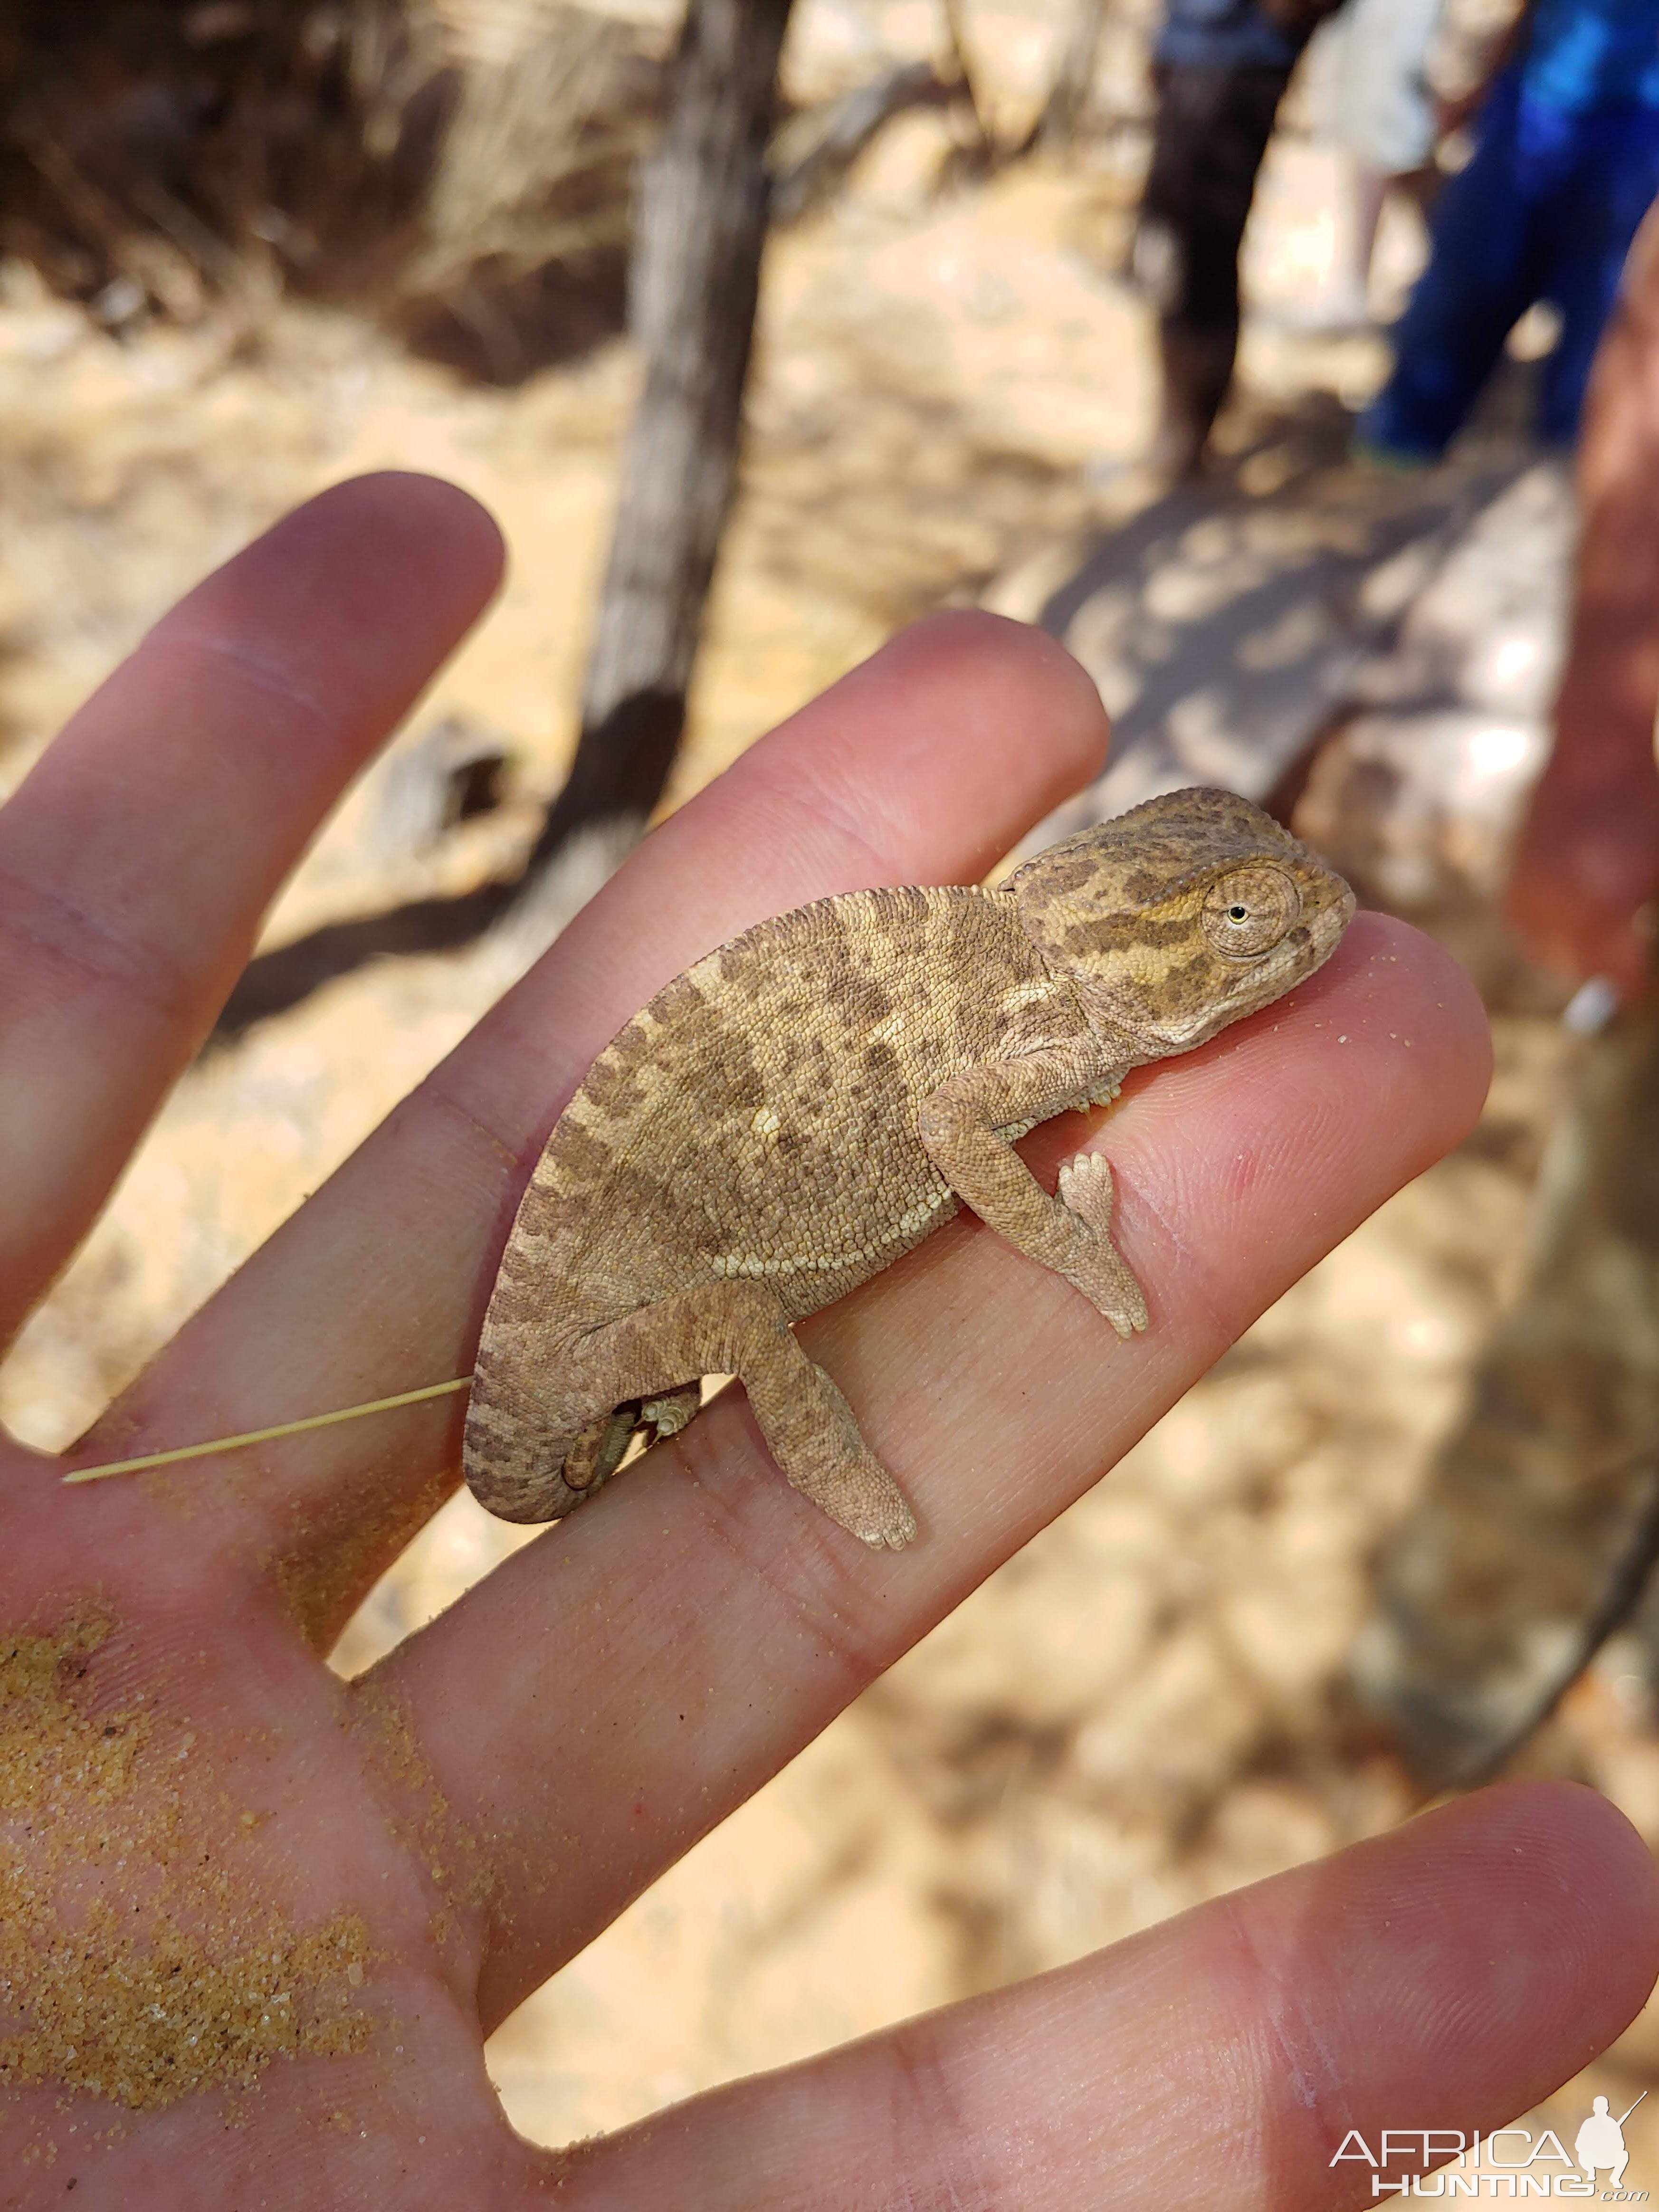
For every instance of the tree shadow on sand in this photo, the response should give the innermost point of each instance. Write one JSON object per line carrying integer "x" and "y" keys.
{"x": 1224, "y": 619}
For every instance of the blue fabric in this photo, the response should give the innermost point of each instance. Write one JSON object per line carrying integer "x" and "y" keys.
{"x": 1545, "y": 210}
{"x": 1223, "y": 35}
{"x": 1581, "y": 54}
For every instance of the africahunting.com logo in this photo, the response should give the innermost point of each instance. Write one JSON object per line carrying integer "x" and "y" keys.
{"x": 1509, "y": 2163}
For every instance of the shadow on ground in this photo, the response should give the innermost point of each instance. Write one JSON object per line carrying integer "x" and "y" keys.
{"x": 1225, "y": 620}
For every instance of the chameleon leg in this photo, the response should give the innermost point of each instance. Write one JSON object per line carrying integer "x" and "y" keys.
{"x": 1085, "y": 1189}
{"x": 808, "y": 1425}
{"x": 810, "y": 1431}
{"x": 962, "y": 1128}
{"x": 671, "y": 1412}
{"x": 1071, "y": 1233}
{"x": 597, "y": 1453}
{"x": 553, "y": 1404}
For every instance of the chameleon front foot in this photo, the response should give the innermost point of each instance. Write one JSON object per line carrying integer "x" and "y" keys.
{"x": 1095, "y": 1266}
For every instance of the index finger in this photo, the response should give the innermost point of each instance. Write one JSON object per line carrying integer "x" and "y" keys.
{"x": 138, "y": 856}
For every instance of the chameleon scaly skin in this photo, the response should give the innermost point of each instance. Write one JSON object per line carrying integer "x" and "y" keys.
{"x": 807, "y": 1103}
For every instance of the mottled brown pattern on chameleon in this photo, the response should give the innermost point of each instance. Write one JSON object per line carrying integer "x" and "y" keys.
{"x": 1120, "y": 911}
{"x": 798, "y": 1109}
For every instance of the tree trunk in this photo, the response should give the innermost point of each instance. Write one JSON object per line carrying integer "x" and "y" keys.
{"x": 693, "y": 285}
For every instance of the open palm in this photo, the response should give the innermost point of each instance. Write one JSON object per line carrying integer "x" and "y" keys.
{"x": 257, "y": 1922}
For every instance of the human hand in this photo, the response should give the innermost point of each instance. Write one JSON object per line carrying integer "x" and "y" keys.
{"x": 1585, "y": 872}
{"x": 223, "y": 1866}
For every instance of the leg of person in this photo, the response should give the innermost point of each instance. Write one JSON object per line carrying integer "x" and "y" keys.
{"x": 1591, "y": 223}
{"x": 1367, "y": 190}
{"x": 1484, "y": 270}
{"x": 1377, "y": 109}
{"x": 1214, "y": 126}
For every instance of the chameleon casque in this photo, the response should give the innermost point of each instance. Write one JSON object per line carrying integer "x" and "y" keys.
{"x": 807, "y": 1103}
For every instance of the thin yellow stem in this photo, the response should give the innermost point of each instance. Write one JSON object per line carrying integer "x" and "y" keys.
{"x": 264, "y": 1436}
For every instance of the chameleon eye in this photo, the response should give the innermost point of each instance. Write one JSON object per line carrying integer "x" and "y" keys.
{"x": 1248, "y": 912}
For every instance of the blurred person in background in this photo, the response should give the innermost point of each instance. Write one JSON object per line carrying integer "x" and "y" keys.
{"x": 1220, "y": 68}
{"x": 1374, "y": 103}
{"x": 1565, "y": 164}
{"x": 1585, "y": 875}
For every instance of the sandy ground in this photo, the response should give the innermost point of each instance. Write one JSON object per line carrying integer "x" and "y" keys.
{"x": 1149, "y": 1705}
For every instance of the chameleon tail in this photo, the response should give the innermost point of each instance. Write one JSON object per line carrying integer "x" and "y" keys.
{"x": 523, "y": 1464}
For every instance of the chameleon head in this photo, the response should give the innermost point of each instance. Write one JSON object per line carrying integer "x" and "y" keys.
{"x": 1182, "y": 915}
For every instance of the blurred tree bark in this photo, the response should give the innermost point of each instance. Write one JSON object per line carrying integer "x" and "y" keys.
{"x": 693, "y": 288}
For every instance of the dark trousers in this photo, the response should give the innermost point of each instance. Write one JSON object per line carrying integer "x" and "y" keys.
{"x": 1212, "y": 129}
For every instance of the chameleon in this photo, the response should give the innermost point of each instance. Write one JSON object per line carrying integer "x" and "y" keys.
{"x": 806, "y": 1104}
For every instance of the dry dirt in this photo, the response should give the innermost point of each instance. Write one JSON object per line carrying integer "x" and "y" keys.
{"x": 1147, "y": 1707}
